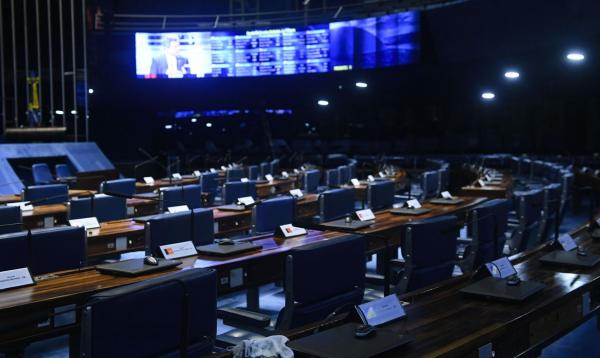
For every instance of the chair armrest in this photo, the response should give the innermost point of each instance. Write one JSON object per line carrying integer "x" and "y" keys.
{"x": 241, "y": 317}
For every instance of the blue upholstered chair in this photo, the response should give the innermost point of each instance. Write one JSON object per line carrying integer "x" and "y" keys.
{"x": 430, "y": 182}
{"x": 320, "y": 279}
{"x": 14, "y": 250}
{"x": 210, "y": 185}
{"x": 170, "y": 196}
{"x": 311, "y": 181}
{"x": 380, "y": 195}
{"x": 46, "y": 194}
{"x": 265, "y": 168}
{"x": 270, "y": 214}
{"x": 429, "y": 250}
{"x": 57, "y": 249}
{"x": 274, "y": 167}
{"x": 107, "y": 208}
{"x": 487, "y": 225}
{"x": 123, "y": 321}
{"x": 525, "y": 227}
{"x": 353, "y": 171}
{"x": 41, "y": 174}
{"x": 234, "y": 190}
{"x": 551, "y": 211}
{"x": 196, "y": 226}
{"x": 335, "y": 204}
{"x": 234, "y": 174}
{"x": 343, "y": 174}
{"x": 253, "y": 172}
{"x": 124, "y": 186}
{"x": 80, "y": 208}
{"x": 63, "y": 171}
{"x": 443, "y": 179}
{"x": 332, "y": 178}
{"x": 11, "y": 219}
{"x": 192, "y": 196}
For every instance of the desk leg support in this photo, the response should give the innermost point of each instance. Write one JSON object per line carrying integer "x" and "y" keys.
{"x": 252, "y": 299}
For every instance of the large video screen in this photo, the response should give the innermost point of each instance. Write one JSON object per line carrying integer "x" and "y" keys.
{"x": 338, "y": 46}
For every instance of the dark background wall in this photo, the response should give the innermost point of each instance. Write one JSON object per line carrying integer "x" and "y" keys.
{"x": 430, "y": 107}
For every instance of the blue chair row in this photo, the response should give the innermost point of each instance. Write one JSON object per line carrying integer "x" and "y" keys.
{"x": 103, "y": 207}
{"x": 42, "y": 175}
{"x": 124, "y": 186}
{"x": 11, "y": 219}
{"x": 234, "y": 190}
{"x": 46, "y": 194}
{"x": 44, "y": 250}
{"x": 190, "y": 195}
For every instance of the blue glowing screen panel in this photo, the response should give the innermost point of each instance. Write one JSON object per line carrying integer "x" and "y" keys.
{"x": 338, "y": 46}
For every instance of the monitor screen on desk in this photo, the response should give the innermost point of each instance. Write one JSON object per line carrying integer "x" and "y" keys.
{"x": 338, "y": 46}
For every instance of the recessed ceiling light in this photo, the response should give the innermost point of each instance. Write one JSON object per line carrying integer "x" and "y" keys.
{"x": 488, "y": 96}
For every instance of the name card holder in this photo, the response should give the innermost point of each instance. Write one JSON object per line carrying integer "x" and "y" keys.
{"x": 20, "y": 277}
{"x": 365, "y": 215}
{"x": 287, "y": 231}
{"x": 481, "y": 183}
{"x": 285, "y": 175}
{"x": 355, "y": 182}
{"x": 297, "y": 193}
{"x": 197, "y": 173}
{"x": 567, "y": 242}
{"x": 244, "y": 180}
{"x": 501, "y": 268}
{"x": 269, "y": 177}
{"x": 413, "y": 204}
{"x": 149, "y": 180}
{"x": 370, "y": 178}
{"x": 178, "y": 250}
{"x": 446, "y": 195}
{"x": 381, "y": 174}
{"x": 246, "y": 200}
{"x": 213, "y": 170}
{"x": 176, "y": 176}
{"x": 178, "y": 209}
{"x": 91, "y": 225}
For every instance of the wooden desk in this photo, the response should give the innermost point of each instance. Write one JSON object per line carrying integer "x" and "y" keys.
{"x": 21, "y": 309}
{"x": 449, "y": 324}
{"x": 277, "y": 186}
{"x": 5, "y": 199}
{"x": 114, "y": 237}
{"x": 496, "y": 191}
{"x": 160, "y": 183}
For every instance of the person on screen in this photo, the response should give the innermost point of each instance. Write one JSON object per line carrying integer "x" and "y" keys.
{"x": 170, "y": 63}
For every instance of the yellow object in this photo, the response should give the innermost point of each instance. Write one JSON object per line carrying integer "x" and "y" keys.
{"x": 34, "y": 83}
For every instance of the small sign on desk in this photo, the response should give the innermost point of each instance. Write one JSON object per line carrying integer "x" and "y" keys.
{"x": 355, "y": 182}
{"x": 296, "y": 193}
{"x": 285, "y": 175}
{"x": 180, "y": 249}
{"x": 481, "y": 183}
{"x": 365, "y": 215}
{"x": 413, "y": 203}
{"x": 269, "y": 177}
{"x": 15, "y": 278}
{"x": 176, "y": 176}
{"x": 91, "y": 225}
{"x": 244, "y": 180}
{"x": 197, "y": 173}
{"x": 289, "y": 230}
{"x": 446, "y": 195}
{"x": 23, "y": 205}
{"x": 149, "y": 180}
{"x": 501, "y": 268}
{"x": 178, "y": 209}
{"x": 567, "y": 242}
{"x": 246, "y": 200}
{"x": 370, "y": 178}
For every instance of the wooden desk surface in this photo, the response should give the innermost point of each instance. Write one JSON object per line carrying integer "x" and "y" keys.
{"x": 5, "y": 199}
{"x": 500, "y": 190}
{"x": 447, "y": 323}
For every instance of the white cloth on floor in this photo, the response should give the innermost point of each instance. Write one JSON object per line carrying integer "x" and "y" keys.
{"x": 273, "y": 346}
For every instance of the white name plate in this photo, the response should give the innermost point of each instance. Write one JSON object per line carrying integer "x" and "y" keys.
{"x": 446, "y": 195}
{"x": 285, "y": 175}
{"x": 355, "y": 182}
{"x": 178, "y": 209}
{"x": 567, "y": 242}
{"x": 87, "y": 223}
{"x": 246, "y": 200}
{"x": 269, "y": 177}
{"x": 244, "y": 180}
{"x": 414, "y": 203}
{"x": 381, "y": 174}
{"x": 176, "y": 176}
{"x": 296, "y": 193}
{"x": 149, "y": 180}
{"x": 15, "y": 278}
{"x": 197, "y": 173}
{"x": 481, "y": 183}
{"x": 501, "y": 268}
{"x": 213, "y": 170}
{"x": 180, "y": 249}
{"x": 291, "y": 231}
{"x": 365, "y": 215}
{"x": 23, "y": 205}
{"x": 371, "y": 178}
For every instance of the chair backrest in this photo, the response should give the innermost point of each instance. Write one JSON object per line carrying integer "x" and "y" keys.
{"x": 234, "y": 190}
{"x": 170, "y": 196}
{"x": 120, "y": 321}
{"x": 528, "y": 206}
{"x": 336, "y": 203}
{"x": 107, "y": 208}
{"x": 271, "y": 213}
{"x": 343, "y": 174}
{"x": 124, "y": 186}
{"x": 80, "y": 208}
{"x": 210, "y": 185}
{"x": 41, "y": 173}
{"x": 265, "y": 168}
{"x": 234, "y": 174}
{"x": 380, "y": 195}
{"x": 551, "y": 211}
{"x": 430, "y": 184}
{"x": 429, "y": 249}
{"x": 14, "y": 250}
{"x": 11, "y": 219}
{"x": 488, "y": 224}
{"x": 274, "y": 166}
{"x": 253, "y": 172}
{"x": 192, "y": 196}
{"x": 196, "y": 226}
{"x": 332, "y": 178}
{"x": 443, "y": 179}
{"x": 57, "y": 249}
{"x": 311, "y": 180}
{"x": 353, "y": 171}
{"x": 46, "y": 194}
{"x": 322, "y": 278}
{"x": 63, "y": 171}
